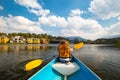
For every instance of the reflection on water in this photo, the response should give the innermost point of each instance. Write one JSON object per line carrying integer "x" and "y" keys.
{"x": 33, "y": 47}
{"x": 102, "y": 59}
{"x": 4, "y": 48}
{"x": 19, "y": 47}
{"x": 15, "y": 56}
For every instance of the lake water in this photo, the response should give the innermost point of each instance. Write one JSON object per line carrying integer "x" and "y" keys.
{"x": 104, "y": 60}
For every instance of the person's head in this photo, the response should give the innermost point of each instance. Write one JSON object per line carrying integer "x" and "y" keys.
{"x": 64, "y": 49}
{"x": 64, "y": 42}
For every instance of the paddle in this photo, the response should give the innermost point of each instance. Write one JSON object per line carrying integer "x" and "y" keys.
{"x": 78, "y": 46}
{"x": 35, "y": 63}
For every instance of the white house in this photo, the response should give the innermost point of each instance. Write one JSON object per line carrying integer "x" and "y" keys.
{"x": 17, "y": 39}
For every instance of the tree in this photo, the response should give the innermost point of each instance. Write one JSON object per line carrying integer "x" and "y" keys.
{"x": 76, "y": 40}
{"x": 1, "y": 34}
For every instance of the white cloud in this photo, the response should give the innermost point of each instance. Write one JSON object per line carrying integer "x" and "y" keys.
{"x": 119, "y": 18}
{"x": 53, "y": 21}
{"x": 76, "y": 12}
{"x": 29, "y": 3}
{"x": 19, "y": 24}
{"x": 87, "y": 28}
{"x": 105, "y": 9}
{"x": 1, "y": 8}
{"x": 3, "y": 24}
{"x": 113, "y": 29}
{"x": 40, "y": 12}
{"x": 74, "y": 25}
{"x": 33, "y": 7}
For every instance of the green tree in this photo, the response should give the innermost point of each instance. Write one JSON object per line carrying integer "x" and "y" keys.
{"x": 1, "y": 34}
{"x": 76, "y": 40}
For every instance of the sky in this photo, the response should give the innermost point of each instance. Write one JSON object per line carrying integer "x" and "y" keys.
{"x": 90, "y": 19}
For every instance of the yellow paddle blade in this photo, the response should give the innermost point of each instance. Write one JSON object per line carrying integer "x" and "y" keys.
{"x": 33, "y": 64}
{"x": 78, "y": 46}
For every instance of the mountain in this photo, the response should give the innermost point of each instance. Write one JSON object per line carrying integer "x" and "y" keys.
{"x": 75, "y": 37}
{"x": 114, "y": 36}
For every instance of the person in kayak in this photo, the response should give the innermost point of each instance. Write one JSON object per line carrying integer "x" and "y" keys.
{"x": 65, "y": 52}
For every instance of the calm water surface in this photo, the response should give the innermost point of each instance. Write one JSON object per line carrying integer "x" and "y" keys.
{"x": 104, "y": 60}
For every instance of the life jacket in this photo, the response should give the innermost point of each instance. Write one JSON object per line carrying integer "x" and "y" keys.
{"x": 64, "y": 51}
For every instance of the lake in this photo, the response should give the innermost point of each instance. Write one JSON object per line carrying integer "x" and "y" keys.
{"x": 101, "y": 59}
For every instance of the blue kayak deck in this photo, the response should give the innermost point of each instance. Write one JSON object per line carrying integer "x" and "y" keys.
{"x": 48, "y": 73}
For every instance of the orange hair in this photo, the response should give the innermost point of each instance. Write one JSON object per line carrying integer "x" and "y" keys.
{"x": 64, "y": 49}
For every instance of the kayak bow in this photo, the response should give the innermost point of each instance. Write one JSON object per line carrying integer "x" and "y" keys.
{"x": 48, "y": 73}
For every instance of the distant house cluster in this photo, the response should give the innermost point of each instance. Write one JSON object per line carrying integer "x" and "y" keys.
{"x": 20, "y": 39}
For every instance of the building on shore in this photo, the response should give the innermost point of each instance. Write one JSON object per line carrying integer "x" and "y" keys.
{"x": 33, "y": 41}
{"x": 43, "y": 41}
{"x": 17, "y": 39}
{"x": 4, "y": 39}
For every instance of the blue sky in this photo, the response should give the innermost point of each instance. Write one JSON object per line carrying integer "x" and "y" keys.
{"x": 90, "y": 19}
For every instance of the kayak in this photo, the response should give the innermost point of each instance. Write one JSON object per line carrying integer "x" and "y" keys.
{"x": 74, "y": 70}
